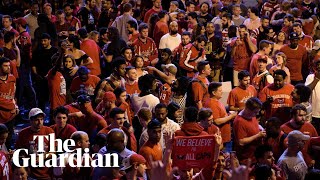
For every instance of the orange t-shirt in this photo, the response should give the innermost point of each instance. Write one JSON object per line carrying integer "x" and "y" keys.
{"x": 132, "y": 88}
{"x": 57, "y": 89}
{"x": 91, "y": 48}
{"x": 160, "y": 29}
{"x": 155, "y": 151}
{"x": 64, "y": 133}
{"x": 7, "y": 94}
{"x": 219, "y": 111}
{"x": 282, "y": 100}
{"x": 199, "y": 92}
{"x": 89, "y": 85}
{"x": 238, "y": 96}
{"x": 165, "y": 93}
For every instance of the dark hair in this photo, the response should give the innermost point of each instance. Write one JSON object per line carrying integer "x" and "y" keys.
{"x": 228, "y": 16}
{"x": 134, "y": 60}
{"x": 253, "y": 103}
{"x": 113, "y": 33}
{"x": 204, "y": 3}
{"x": 274, "y": 122}
{"x": 214, "y": 86}
{"x": 232, "y": 31}
{"x": 115, "y": 111}
{"x": 161, "y": 106}
{"x": 191, "y": 114}
{"x": 303, "y": 91}
{"x": 243, "y": 26}
{"x": 261, "y": 150}
{"x": 75, "y": 40}
{"x": 172, "y": 108}
{"x": 59, "y": 12}
{"x": 183, "y": 82}
{"x": 127, "y": 7}
{"x": 145, "y": 82}
{"x": 264, "y": 44}
{"x": 45, "y": 36}
{"x": 103, "y": 31}
{"x": 101, "y": 140}
{"x": 201, "y": 65}
{"x": 201, "y": 38}
{"x": 162, "y": 14}
{"x": 4, "y": 60}
{"x": 118, "y": 91}
{"x": 254, "y": 10}
{"x": 242, "y": 74}
{"x": 167, "y": 50}
{"x": 143, "y": 26}
{"x": 133, "y": 24}
{"x": 8, "y": 36}
{"x": 263, "y": 172}
{"x": 193, "y": 15}
{"x": 296, "y": 108}
{"x": 3, "y": 129}
{"x": 280, "y": 72}
{"x": 289, "y": 17}
{"x": 116, "y": 63}
{"x": 61, "y": 110}
{"x": 204, "y": 113}
{"x": 123, "y": 50}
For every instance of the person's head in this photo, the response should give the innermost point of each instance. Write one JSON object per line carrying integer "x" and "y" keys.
{"x": 91, "y": 3}
{"x": 109, "y": 99}
{"x": 115, "y": 140}
{"x": 117, "y": 117}
{"x": 297, "y": 28}
{"x": 179, "y": 86}
{"x": 166, "y": 55}
{"x": 204, "y": 7}
{"x": 154, "y": 131}
{"x": 36, "y": 117}
{"x": 68, "y": 9}
{"x": 137, "y": 61}
{"x": 174, "y": 5}
{"x": 83, "y": 73}
{"x": 119, "y": 66}
{"x": 5, "y": 65}
{"x": 45, "y": 40}
{"x": 83, "y": 33}
{"x": 73, "y": 42}
{"x": 69, "y": 61}
{"x": 6, "y": 21}
{"x": 301, "y": 93}
{"x": 127, "y": 52}
{"x": 4, "y": 132}
{"x": 20, "y": 173}
{"x": 253, "y": 12}
{"x": 264, "y": 155}
{"x": 244, "y": 78}
{"x": 205, "y": 116}
{"x": 298, "y": 113}
{"x": 21, "y": 23}
{"x": 252, "y": 108}
{"x": 34, "y": 7}
{"x": 47, "y": 8}
{"x": 192, "y": 17}
{"x": 297, "y": 140}
{"x": 185, "y": 38}
{"x": 226, "y": 20}
{"x": 232, "y": 31}
{"x": 265, "y": 47}
{"x": 132, "y": 26}
{"x": 294, "y": 40}
{"x": 72, "y": 31}
{"x": 204, "y": 68}
{"x": 60, "y": 116}
{"x": 60, "y": 16}
{"x": 215, "y": 90}
{"x": 262, "y": 64}
{"x": 113, "y": 34}
{"x": 121, "y": 94}
{"x": 236, "y": 10}
{"x": 265, "y": 21}
{"x": 221, "y": 162}
{"x": 279, "y": 76}
{"x": 107, "y": 4}
{"x": 163, "y": 14}
{"x": 191, "y": 114}
{"x": 186, "y": 174}
{"x": 99, "y": 142}
{"x": 131, "y": 73}
{"x": 161, "y": 112}
{"x": 94, "y": 35}
{"x": 173, "y": 28}
{"x": 281, "y": 58}
{"x": 135, "y": 164}
{"x": 84, "y": 103}
{"x": 174, "y": 111}
{"x": 264, "y": 172}
{"x": 288, "y": 20}
{"x": 81, "y": 139}
{"x": 127, "y": 8}
{"x": 143, "y": 30}
{"x": 147, "y": 83}
{"x": 157, "y": 4}
{"x": 190, "y": 5}
{"x": 200, "y": 41}
{"x": 144, "y": 115}
{"x": 9, "y": 38}
{"x": 210, "y": 28}
{"x": 273, "y": 127}
{"x": 243, "y": 31}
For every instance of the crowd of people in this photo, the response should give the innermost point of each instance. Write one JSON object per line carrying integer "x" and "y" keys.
{"x": 129, "y": 76}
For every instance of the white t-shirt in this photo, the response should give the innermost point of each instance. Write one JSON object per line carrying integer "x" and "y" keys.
{"x": 315, "y": 96}
{"x": 149, "y": 101}
{"x": 170, "y": 42}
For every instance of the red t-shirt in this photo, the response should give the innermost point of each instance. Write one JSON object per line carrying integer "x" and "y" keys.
{"x": 89, "y": 85}
{"x": 146, "y": 49}
{"x": 244, "y": 128}
{"x": 160, "y": 29}
{"x": 132, "y": 88}
{"x": 7, "y": 94}
{"x": 242, "y": 56}
{"x": 11, "y": 54}
{"x": 165, "y": 93}
{"x": 306, "y": 41}
{"x": 199, "y": 92}
{"x": 219, "y": 111}
{"x": 238, "y": 96}
{"x": 91, "y": 48}
{"x": 64, "y": 133}
{"x": 57, "y": 89}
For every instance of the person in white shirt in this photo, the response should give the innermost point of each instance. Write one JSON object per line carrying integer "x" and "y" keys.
{"x": 172, "y": 39}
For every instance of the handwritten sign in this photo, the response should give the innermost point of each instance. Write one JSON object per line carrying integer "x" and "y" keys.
{"x": 193, "y": 151}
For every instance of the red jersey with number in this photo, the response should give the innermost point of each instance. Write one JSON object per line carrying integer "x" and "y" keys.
{"x": 146, "y": 49}
{"x": 165, "y": 93}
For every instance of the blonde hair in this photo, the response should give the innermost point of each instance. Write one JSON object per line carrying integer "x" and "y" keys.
{"x": 284, "y": 57}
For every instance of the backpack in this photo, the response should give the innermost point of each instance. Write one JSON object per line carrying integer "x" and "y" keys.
{"x": 189, "y": 99}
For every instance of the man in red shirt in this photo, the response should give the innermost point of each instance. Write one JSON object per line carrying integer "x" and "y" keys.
{"x": 264, "y": 51}
{"x": 72, "y": 20}
{"x": 131, "y": 81}
{"x": 277, "y": 97}
{"x": 12, "y": 51}
{"x": 296, "y": 59}
{"x": 91, "y": 48}
{"x": 161, "y": 28}
{"x": 304, "y": 40}
{"x": 6, "y": 23}
{"x": 239, "y": 95}
{"x": 156, "y": 8}
{"x": 25, "y": 140}
{"x": 62, "y": 129}
{"x": 247, "y": 131}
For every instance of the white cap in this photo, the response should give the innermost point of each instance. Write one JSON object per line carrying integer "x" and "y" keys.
{"x": 35, "y": 111}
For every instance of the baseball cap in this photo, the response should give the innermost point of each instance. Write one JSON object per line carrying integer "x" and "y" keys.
{"x": 109, "y": 96}
{"x": 83, "y": 99}
{"x": 170, "y": 67}
{"x": 296, "y": 136}
{"x": 129, "y": 161}
{"x": 83, "y": 70}
{"x": 316, "y": 45}
{"x": 22, "y": 21}
{"x": 153, "y": 124}
{"x": 293, "y": 35}
{"x": 35, "y": 111}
